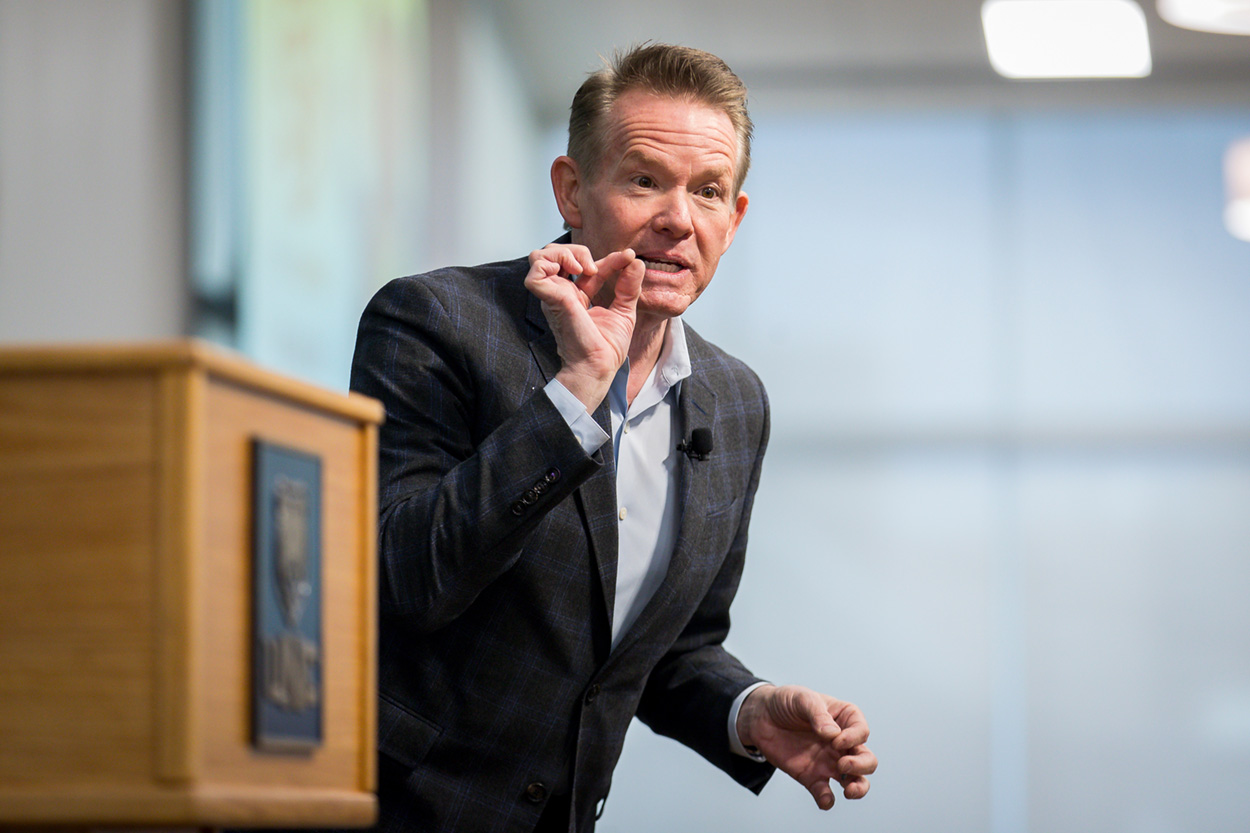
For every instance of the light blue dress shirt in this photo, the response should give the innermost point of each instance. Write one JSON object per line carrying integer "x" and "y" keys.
{"x": 644, "y": 438}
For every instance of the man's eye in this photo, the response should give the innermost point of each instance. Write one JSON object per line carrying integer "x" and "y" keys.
{"x": 708, "y": 192}
{"x": 645, "y": 181}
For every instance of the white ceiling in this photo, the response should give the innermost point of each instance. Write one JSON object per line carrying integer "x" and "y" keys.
{"x": 853, "y": 53}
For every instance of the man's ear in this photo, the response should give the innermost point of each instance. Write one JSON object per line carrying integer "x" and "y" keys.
{"x": 740, "y": 211}
{"x": 566, "y": 182}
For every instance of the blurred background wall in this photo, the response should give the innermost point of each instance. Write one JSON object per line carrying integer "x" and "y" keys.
{"x": 1002, "y": 325}
{"x": 93, "y": 197}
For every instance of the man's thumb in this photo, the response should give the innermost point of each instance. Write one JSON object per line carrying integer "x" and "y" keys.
{"x": 822, "y": 722}
{"x": 629, "y": 284}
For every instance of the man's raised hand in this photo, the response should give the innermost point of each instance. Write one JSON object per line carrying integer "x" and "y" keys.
{"x": 591, "y": 318}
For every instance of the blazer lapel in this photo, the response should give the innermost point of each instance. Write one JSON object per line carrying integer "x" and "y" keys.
{"x": 596, "y": 498}
{"x": 542, "y": 342}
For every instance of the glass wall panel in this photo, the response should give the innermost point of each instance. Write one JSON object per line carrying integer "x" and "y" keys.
{"x": 1004, "y": 507}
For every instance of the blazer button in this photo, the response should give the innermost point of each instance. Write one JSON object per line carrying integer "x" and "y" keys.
{"x": 552, "y": 476}
{"x": 592, "y": 693}
{"x": 536, "y": 792}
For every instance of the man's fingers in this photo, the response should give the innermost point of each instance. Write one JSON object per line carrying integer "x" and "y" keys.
{"x": 854, "y": 728}
{"x": 616, "y": 261}
{"x": 605, "y": 271}
{"x": 574, "y": 261}
{"x": 851, "y": 737}
{"x": 562, "y": 260}
{"x": 823, "y": 794}
{"x": 551, "y": 268}
{"x": 854, "y": 786}
{"x": 853, "y": 768}
{"x": 592, "y": 283}
{"x": 552, "y": 289}
{"x": 859, "y": 761}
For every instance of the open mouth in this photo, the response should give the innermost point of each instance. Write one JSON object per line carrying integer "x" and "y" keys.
{"x": 662, "y": 265}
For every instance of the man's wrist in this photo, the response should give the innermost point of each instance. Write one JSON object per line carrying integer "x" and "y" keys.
{"x": 589, "y": 389}
{"x": 736, "y": 744}
{"x": 580, "y": 422}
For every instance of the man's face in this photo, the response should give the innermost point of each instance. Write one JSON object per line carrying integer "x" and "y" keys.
{"x": 665, "y": 189}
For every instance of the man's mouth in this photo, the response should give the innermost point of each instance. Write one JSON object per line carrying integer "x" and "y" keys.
{"x": 662, "y": 265}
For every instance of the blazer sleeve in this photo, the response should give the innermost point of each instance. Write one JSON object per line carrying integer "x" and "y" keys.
{"x": 690, "y": 692}
{"x": 458, "y": 492}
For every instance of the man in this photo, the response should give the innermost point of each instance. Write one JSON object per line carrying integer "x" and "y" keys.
{"x": 558, "y": 551}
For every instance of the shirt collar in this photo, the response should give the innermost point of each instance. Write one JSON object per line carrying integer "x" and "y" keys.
{"x": 674, "y": 362}
{"x": 670, "y": 369}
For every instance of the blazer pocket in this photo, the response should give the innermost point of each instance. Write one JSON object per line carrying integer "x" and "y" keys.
{"x": 403, "y": 735}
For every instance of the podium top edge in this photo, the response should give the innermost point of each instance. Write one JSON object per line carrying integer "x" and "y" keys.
{"x": 189, "y": 354}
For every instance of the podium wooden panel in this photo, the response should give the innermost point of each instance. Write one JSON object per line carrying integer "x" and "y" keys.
{"x": 126, "y": 591}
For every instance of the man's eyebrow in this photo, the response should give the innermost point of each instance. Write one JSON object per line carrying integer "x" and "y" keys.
{"x": 643, "y": 159}
{"x": 639, "y": 157}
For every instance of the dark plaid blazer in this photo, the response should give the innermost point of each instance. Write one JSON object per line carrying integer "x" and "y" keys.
{"x": 498, "y": 544}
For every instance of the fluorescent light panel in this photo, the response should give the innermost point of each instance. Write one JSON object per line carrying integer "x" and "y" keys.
{"x": 1231, "y": 17}
{"x": 1066, "y": 38}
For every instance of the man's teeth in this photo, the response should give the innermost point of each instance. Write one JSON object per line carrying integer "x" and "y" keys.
{"x": 661, "y": 266}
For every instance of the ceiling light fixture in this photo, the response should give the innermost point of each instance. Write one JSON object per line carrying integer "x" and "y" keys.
{"x": 1066, "y": 38}
{"x": 1237, "y": 185}
{"x": 1229, "y": 17}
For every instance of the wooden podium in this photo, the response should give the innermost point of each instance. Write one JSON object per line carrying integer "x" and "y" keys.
{"x": 132, "y": 554}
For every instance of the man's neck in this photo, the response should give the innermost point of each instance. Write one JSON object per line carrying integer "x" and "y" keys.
{"x": 644, "y": 351}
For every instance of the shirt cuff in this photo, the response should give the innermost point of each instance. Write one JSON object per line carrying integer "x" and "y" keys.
{"x": 583, "y": 425}
{"x": 735, "y": 742}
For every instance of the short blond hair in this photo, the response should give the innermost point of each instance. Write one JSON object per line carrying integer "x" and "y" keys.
{"x": 663, "y": 69}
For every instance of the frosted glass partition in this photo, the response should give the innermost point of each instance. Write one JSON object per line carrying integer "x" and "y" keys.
{"x": 1138, "y": 628}
{"x": 1005, "y": 507}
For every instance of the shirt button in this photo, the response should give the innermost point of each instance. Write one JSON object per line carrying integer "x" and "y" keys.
{"x": 536, "y": 792}
{"x": 627, "y": 426}
{"x": 622, "y": 513}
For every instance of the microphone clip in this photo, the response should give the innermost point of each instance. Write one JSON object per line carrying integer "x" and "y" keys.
{"x": 698, "y": 446}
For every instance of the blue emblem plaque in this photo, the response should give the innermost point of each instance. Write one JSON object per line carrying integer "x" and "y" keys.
{"x": 286, "y": 555}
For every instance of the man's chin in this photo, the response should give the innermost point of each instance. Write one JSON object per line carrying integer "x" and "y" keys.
{"x": 665, "y": 301}
{"x": 662, "y": 308}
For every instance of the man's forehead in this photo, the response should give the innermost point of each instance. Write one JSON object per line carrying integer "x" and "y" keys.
{"x": 640, "y": 118}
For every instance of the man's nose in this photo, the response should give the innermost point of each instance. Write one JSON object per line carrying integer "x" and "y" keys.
{"x": 673, "y": 215}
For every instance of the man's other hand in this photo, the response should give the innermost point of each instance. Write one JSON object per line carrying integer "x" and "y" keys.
{"x": 811, "y": 737}
{"x": 592, "y": 340}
